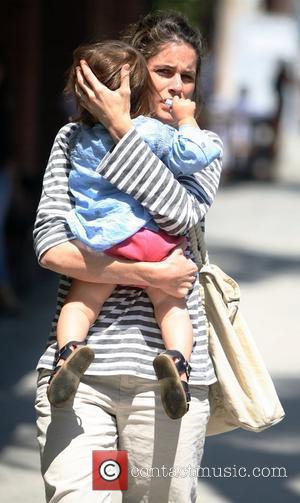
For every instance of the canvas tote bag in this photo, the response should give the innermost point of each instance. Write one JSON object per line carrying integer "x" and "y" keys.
{"x": 244, "y": 395}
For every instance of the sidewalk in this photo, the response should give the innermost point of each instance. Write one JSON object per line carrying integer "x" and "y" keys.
{"x": 253, "y": 233}
{"x": 23, "y": 340}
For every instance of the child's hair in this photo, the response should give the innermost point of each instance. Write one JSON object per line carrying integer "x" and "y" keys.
{"x": 105, "y": 60}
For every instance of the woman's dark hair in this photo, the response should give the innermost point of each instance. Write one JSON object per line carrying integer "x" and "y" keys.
{"x": 105, "y": 60}
{"x": 155, "y": 30}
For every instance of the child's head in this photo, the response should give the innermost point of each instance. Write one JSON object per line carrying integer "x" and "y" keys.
{"x": 105, "y": 60}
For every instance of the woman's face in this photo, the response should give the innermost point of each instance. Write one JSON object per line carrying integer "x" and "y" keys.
{"x": 173, "y": 71}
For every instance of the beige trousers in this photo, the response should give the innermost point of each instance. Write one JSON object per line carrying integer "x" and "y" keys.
{"x": 124, "y": 413}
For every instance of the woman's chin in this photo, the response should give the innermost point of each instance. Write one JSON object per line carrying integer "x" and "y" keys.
{"x": 165, "y": 117}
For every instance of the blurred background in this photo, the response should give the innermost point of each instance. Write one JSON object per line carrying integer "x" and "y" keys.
{"x": 251, "y": 97}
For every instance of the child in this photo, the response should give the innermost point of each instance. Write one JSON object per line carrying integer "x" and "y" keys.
{"x": 106, "y": 219}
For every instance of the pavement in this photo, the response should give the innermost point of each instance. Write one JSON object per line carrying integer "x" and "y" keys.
{"x": 253, "y": 234}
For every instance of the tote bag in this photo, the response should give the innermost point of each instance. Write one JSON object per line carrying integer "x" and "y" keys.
{"x": 244, "y": 395}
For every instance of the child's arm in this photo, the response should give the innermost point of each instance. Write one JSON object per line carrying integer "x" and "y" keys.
{"x": 192, "y": 149}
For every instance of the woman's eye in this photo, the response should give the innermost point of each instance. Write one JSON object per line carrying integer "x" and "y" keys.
{"x": 163, "y": 71}
{"x": 187, "y": 78}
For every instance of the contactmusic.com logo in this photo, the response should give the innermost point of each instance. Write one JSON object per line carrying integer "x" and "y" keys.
{"x": 110, "y": 470}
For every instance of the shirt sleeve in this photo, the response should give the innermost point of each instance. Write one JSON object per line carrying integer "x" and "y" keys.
{"x": 176, "y": 205}
{"x": 51, "y": 228}
{"x": 191, "y": 150}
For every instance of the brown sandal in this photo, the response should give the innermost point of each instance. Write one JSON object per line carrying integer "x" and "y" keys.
{"x": 65, "y": 379}
{"x": 175, "y": 393}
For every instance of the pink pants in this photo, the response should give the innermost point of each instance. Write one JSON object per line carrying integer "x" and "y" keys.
{"x": 146, "y": 246}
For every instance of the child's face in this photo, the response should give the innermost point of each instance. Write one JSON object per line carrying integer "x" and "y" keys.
{"x": 173, "y": 72}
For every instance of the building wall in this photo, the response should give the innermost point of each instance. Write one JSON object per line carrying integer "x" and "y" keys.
{"x": 37, "y": 39}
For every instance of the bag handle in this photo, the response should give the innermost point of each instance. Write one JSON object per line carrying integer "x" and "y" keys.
{"x": 198, "y": 246}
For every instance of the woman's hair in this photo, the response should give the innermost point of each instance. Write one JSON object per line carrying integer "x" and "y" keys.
{"x": 154, "y": 30}
{"x": 105, "y": 60}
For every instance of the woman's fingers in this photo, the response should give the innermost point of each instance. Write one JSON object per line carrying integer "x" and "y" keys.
{"x": 178, "y": 251}
{"x": 183, "y": 290}
{"x": 82, "y": 88}
{"x": 125, "y": 79}
{"x": 90, "y": 78}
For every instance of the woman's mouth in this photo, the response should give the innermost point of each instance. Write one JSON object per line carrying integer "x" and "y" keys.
{"x": 168, "y": 102}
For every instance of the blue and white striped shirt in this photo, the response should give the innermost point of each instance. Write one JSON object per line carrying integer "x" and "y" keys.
{"x": 126, "y": 337}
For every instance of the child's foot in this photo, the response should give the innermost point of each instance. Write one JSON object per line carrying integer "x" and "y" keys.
{"x": 66, "y": 377}
{"x": 175, "y": 394}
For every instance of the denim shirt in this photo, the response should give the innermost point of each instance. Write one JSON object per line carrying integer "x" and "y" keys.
{"x": 103, "y": 215}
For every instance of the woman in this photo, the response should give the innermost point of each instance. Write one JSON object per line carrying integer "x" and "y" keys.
{"x": 117, "y": 404}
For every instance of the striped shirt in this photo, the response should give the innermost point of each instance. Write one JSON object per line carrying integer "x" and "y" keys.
{"x": 126, "y": 337}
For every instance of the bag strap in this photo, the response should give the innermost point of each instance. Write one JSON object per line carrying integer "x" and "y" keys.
{"x": 198, "y": 246}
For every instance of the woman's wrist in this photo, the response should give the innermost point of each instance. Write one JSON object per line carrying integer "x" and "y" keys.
{"x": 120, "y": 129}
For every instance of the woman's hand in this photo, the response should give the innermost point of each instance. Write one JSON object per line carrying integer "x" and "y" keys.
{"x": 175, "y": 275}
{"x": 111, "y": 108}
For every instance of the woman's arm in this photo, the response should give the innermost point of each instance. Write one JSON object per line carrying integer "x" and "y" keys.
{"x": 57, "y": 250}
{"x": 175, "y": 275}
{"x": 176, "y": 205}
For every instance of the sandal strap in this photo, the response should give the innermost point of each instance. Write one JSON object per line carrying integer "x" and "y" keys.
{"x": 184, "y": 367}
{"x": 66, "y": 350}
{"x": 186, "y": 390}
{"x": 182, "y": 364}
{"x": 53, "y": 372}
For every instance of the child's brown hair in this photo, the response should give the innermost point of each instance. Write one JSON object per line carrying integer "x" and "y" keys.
{"x": 105, "y": 60}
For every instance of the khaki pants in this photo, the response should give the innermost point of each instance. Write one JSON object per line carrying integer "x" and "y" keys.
{"x": 124, "y": 413}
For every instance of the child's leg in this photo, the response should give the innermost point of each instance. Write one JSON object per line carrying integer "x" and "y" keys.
{"x": 171, "y": 366}
{"x": 174, "y": 321}
{"x": 80, "y": 310}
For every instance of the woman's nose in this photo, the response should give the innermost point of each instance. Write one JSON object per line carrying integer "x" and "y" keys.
{"x": 176, "y": 85}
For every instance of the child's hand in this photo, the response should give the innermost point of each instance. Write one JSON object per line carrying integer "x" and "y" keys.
{"x": 183, "y": 111}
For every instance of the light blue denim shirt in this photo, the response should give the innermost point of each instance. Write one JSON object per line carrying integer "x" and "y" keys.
{"x": 103, "y": 215}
